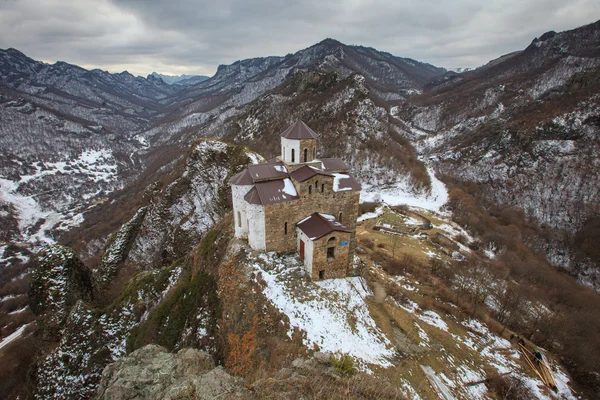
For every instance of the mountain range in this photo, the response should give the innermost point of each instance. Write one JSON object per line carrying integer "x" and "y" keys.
{"x": 117, "y": 168}
{"x": 179, "y": 79}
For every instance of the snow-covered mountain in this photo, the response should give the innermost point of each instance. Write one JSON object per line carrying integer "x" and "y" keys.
{"x": 524, "y": 128}
{"x": 183, "y": 79}
{"x": 116, "y": 167}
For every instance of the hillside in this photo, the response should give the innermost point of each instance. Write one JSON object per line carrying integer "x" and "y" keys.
{"x": 524, "y": 129}
{"x": 116, "y": 225}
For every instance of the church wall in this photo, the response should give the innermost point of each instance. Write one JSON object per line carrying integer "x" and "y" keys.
{"x": 329, "y": 202}
{"x": 256, "y": 226}
{"x": 286, "y": 149}
{"x": 311, "y": 146}
{"x": 239, "y": 209}
{"x": 336, "y": 267}
{"x": 308, "y": 250}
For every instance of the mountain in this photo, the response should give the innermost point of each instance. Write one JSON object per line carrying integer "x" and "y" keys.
{"x": 524, "y": 128}
{"x": 500, "y": 161}
{"x": 80, "y": 136}
{"x": 132, "y": 123}
{"x": 184, "y": 80}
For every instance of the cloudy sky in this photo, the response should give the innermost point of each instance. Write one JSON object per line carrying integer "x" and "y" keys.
{"x": 194, "y": 37}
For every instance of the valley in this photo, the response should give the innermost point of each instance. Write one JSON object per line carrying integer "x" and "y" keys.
{"x": 479, "y": 219}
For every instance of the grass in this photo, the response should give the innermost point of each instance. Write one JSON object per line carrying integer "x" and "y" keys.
{"x": 442, "y": 350}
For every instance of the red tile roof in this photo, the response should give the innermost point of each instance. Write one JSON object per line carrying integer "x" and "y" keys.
{"x": 318, "y": 225}
{"x": 306, "y": 172}
{"x": 260, "y": 172}
{"x": 345, "y": 182}
{"x": 270, "y": 192}
{"x": 241, "y": 178}
{"x": 334, "y": 165}
{"x": 263, "y": 172}
{"x": 299, "y": 130}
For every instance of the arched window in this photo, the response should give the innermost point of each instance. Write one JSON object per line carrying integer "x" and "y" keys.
{"x": 322, "y": 188}
{"x": 293, "y": 155}
{"x": 285, "y": 228}
{"x": 340, "y": 217}
{"x": 331, "y": 248}
{"x": 283, "y": 152}
{"x": 239, "y": 219}
{"x": 316, "y": 185}
{"x": 310, "y": 190}
{"x": 314, "y": 152}
{"x": 305, "y": 155}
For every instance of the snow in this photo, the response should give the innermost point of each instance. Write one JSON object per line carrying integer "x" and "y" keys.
{"x": 20, "y": 310}
{"x": 327, "y": 217}
{"x": 280, "y": 168}
{"x": 288, "y": 187}
{"x": 333, "y": 313}
{"x": 370, "y": 215}
{"x": 441, "y": 387}
{"x": 29, "y": 213}
{"x": 336, "y": 182}
{"x": 256, "y": 158}
{"x": 96, "y": 165}
{"x": 402, "y": 192}
{"x": 423, "y": 335}
{"x": 433, "y": 319}
{"x": 13, "y": 336}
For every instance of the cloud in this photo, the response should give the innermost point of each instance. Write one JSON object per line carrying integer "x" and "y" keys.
{"x": 189, "y": 36}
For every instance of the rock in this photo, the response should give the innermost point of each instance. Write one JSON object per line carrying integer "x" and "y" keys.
{"x": 322, "y": 357}
{"x": 153, "y": 373}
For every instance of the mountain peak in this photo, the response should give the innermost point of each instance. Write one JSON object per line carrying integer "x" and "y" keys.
{"x": 330, "y": 42}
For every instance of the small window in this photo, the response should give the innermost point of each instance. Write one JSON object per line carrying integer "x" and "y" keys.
{"x": 239, "y": 219}
{"x": 330, "y": 253}
{"x": 322, "y": 188}
{"x": 331, "y": 248}
{"x": 316, "y": 185}
{"x": 285, "y": 228}
{"x": 321, "y": 275}
{"x": 305, "y": 155}
{"x": 310, "y": 190}
{"x": 340, "y": 217}
{"x": 314, "y": 153}
{"x": 293, "y": 155}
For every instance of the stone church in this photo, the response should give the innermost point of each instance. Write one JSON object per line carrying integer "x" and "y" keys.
{"x": 298, "y": 203}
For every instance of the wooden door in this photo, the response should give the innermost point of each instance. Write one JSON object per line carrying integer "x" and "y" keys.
{"x": 302, "y": 249}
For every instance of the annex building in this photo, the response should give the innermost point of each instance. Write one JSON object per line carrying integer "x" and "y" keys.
{"x": 298, "y": 203}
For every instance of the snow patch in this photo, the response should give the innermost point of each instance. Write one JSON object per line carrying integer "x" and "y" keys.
{"x": 403, "y": 192}
{"x": 333, "y": 313}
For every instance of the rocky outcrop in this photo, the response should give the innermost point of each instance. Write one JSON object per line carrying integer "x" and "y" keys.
{"x": 153, "y": 373}
{"x": 58, "y": 281}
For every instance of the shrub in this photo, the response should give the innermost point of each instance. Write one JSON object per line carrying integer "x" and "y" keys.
{"x": 343, "y": 364}
{"x": 368, "y": 243}
{"x": 509, "y": 387}
{"x": 367, "y": 207}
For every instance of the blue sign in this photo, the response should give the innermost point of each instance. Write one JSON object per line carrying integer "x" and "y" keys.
{"x": 344, "y": 243}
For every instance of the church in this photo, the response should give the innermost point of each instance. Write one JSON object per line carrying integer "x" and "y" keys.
{"x": 298, "y": 203}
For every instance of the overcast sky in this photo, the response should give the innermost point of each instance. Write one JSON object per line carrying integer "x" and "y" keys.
{"x": 194, "y": 37}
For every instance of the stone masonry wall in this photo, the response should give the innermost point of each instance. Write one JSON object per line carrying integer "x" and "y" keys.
{"x": 311, "y": 145}
{"x": 336, "y": 267}
{"x": 328, "y": 202}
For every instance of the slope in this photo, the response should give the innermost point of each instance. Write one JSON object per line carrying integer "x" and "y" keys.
{"x": 524, "y": 129}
